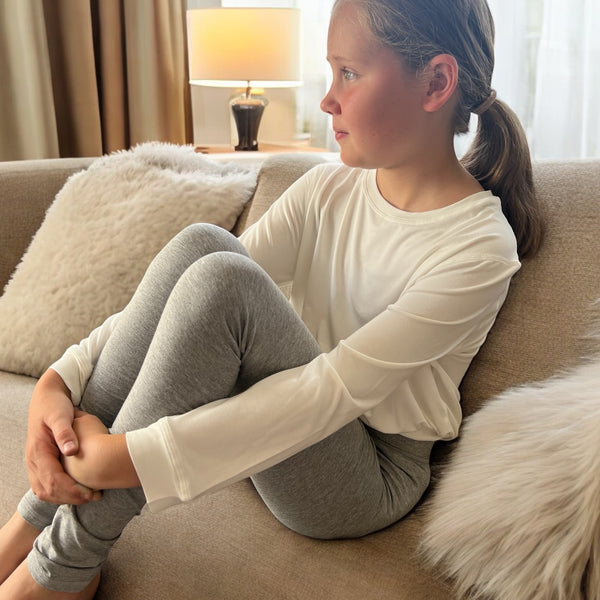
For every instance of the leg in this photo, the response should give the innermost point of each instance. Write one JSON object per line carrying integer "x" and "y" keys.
{"x": 354, "y": 482}
{"x": 124, "y": 354}
{"x": 21, "y": 586}
{"x": 16, "y": 540}
{"x": 118, "y": 366}
{"x": 224, "y": 326}
{"x": 241, "y": 331}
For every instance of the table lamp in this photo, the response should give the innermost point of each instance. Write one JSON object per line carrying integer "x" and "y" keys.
{"x": 245, "y": 47}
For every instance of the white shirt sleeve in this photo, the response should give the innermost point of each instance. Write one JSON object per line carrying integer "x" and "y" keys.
{"x": 76, "y": 364}
{"x": 273, "y": 242}
{"x": 404, "y": 356}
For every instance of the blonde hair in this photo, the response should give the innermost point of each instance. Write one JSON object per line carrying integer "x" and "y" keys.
{"x": 419, "y": 30}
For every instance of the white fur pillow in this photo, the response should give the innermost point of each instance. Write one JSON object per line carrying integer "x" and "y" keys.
{"x": 98, "y": 237}
{"x": 516, "y": 515}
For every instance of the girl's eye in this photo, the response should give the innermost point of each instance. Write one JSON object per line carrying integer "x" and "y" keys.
{"x": 348, "y": 75}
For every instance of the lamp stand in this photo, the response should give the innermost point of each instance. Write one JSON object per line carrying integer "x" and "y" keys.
{"x": 247, "y": 112}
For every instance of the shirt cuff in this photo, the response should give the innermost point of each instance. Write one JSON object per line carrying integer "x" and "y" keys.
{"x": 151, "y": 455}
{"x": 74, "y": 370}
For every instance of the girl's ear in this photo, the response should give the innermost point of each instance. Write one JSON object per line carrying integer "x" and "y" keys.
{"x": 441, "y": 81}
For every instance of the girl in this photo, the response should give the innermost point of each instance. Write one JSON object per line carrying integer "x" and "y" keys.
{"x": 400, "y": 259}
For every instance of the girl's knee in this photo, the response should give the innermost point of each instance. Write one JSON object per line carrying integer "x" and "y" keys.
{"x": 226, "y": 283}
{"x": 228, "y": 272}
{"x": 188, "y": 246}
{"x": 208, "y": 238}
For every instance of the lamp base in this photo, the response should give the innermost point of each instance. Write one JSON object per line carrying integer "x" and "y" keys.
{"x": 247, "y": 113}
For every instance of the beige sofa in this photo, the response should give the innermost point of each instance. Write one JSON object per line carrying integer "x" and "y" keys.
{"x": 227, "y": 546}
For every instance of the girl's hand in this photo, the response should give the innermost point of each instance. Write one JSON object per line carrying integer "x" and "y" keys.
{"x": 50, "y": 432}
{"x": 103, "y": 460}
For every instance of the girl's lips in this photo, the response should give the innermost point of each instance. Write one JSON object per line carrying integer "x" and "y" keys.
{"x": 340, "y": 135}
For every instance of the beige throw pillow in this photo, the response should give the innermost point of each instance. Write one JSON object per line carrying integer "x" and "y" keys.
{"x": 98, "y": 237}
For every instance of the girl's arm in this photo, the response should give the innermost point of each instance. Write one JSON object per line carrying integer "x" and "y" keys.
{"x": 274, "y": 240}
{"x": 103, "y": 461}
{"x": 407, "y": 363}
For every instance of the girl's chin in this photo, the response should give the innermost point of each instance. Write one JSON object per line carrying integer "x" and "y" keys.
{"x": 353, "y": 159}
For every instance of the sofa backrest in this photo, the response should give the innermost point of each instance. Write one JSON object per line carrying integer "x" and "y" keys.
{"x": 276, "y": 174}
{"x": 541, "y": 328}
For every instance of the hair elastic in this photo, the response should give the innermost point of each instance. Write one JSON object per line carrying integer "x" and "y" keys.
{"x": 479, "y": 110}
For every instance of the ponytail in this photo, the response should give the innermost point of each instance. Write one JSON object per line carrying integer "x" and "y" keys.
{"x": 499, "y": 159}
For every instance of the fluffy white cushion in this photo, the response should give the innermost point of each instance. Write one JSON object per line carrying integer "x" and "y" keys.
{"x": 516, "y": 514}
{"x": 98, "y": 237}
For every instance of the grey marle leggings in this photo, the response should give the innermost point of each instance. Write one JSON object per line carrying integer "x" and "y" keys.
{"x": 205, "y": 323}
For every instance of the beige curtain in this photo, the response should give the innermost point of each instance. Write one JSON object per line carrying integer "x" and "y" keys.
{"x": 86, "y": 77}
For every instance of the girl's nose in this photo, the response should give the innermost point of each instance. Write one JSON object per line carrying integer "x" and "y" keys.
{"x": 329, "y": 104}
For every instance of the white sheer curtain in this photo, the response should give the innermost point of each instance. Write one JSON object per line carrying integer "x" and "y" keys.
{"x": 547, "y": 57}
{"x": 315, "y": 15}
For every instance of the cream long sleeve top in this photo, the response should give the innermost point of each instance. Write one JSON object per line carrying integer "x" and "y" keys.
{"x": 399, "y": 303}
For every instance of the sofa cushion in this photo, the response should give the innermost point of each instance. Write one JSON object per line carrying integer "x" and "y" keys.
{"x": 98, "y": 237}
{"x": 15, "y": 393}
{"x": 227, "y": 545}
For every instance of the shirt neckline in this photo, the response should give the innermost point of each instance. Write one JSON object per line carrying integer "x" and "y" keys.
{"x": 381, "y": 205}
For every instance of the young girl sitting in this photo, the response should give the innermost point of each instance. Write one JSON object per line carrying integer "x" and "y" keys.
{"x": 399, "y": 258}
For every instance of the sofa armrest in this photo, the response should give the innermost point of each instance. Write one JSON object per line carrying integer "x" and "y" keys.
{"x": 27, "y": 188}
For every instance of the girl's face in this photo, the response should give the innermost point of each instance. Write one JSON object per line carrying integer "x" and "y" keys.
{"x": 376, "y": 104}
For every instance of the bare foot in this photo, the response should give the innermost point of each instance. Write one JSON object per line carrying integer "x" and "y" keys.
{"x": 21, "y": 586}
{"x": 16, "y": 540}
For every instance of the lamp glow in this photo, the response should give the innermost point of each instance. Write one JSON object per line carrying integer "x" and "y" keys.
{"x": 245, "y": 47}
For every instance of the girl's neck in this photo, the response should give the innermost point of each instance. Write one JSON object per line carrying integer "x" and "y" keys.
{"x": 430, "y": 185}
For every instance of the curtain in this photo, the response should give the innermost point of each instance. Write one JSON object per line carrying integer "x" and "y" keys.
{"x": 547, "y": 56}
{"x": 86, "y": 77}
{"x": 316, "y": 71}
{"x": 568, "y": 73}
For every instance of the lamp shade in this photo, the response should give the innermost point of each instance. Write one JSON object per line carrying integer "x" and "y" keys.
{"x": 229, "y": 47}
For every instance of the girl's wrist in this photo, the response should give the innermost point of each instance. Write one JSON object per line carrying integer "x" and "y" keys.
{"x": 120, "y": 472}
{"x": 103, "y": 462}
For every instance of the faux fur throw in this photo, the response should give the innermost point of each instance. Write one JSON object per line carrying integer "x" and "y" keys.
{"x": 98, "y": 237}
{"x": 516, "y": 515}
